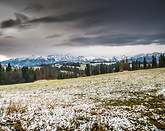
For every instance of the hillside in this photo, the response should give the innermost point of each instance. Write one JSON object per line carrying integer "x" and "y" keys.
{"x": 132, "y": 100}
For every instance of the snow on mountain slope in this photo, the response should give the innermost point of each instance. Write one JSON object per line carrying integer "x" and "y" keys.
{"x": 57, "y": 59}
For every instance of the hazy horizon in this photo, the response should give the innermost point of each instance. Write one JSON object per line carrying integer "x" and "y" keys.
{"x": 2, "y": 58}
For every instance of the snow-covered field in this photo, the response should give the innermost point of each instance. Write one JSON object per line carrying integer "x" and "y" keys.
{"x": 132, "y": 100}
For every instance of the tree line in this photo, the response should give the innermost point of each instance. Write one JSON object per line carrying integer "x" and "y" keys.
{"x": 124, "y": 65}
{"x": 10, "y": 75}
{"x": 25, "y": 74}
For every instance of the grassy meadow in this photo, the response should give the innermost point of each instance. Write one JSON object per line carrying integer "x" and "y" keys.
{"x": 130, "y": 100}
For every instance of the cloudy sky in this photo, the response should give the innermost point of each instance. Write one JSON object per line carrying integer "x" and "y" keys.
{"x": 81, "y": 27}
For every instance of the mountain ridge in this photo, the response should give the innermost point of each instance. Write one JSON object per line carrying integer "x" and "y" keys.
{"x": 60, "y": 59}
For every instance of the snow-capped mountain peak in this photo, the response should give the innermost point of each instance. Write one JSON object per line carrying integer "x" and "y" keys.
{"x": 59, "y": 59}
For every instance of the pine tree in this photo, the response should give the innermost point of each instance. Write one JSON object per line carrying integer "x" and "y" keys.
{"x": 102, "y": 69}
{"x": 162, "y": 60}
{"x": 87, "y": 70}
{"x": 139, "y": 65}
{"x": 25, "y": 74}
{"x": 144, "y": 63}
{"x": 110, "y": 68}
{"x": 96, "y": 70}
{"x": 8, "y": 69}
{"x": 75, "y": 72}
{"x": 133, "y": 65}
{"x": 1, "y": 75}
{"x": 117, "y": 67}
{"x": 154, "y": 64}
{"x": 106, "y": 71}
{"x": 32, "y": 74}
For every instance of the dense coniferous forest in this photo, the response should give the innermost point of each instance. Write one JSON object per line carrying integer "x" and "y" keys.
{"x": 14, "y": 75}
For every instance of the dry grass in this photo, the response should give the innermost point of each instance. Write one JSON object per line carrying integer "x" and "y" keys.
{"x": 118, "y": 101}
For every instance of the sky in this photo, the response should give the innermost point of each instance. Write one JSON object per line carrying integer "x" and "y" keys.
{"x": 81, "y": 27}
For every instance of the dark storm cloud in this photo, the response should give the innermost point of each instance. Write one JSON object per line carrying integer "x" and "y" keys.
{"x": 46, "y": 20}
{"x": 20, "y": 19}
{"x": 32, "y": 7}
{"x": 54, "y": 36}
{"x": 101, "y": 22}
{"x": 116, "y": 40}
{"x": 88, "y": 16}
{"x": 123, "y": 13}
{"x": 9, "y": 37}
{"x": 9, "y": 23}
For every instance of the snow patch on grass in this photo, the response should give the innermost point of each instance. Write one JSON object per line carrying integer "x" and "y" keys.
{"x": 117, "y": 101}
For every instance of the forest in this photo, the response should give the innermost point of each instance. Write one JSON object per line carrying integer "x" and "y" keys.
{"x": 25, "y": 74}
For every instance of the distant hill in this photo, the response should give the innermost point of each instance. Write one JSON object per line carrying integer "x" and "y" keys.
{"x": 60, "y": 59}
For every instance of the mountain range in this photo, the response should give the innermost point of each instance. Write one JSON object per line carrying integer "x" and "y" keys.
{"x": 60, "y": 59}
